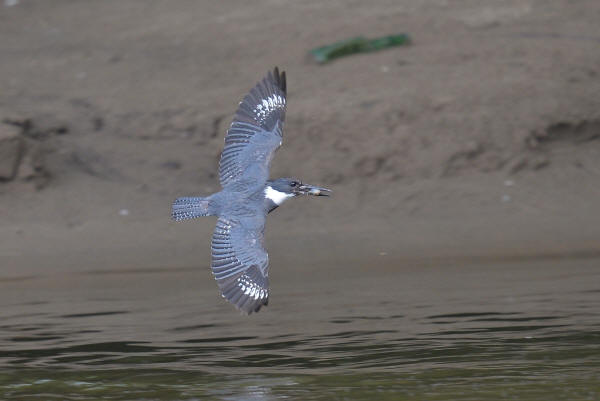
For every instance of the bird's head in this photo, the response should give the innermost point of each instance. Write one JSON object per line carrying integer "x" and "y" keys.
{"x": 283, "y": 188}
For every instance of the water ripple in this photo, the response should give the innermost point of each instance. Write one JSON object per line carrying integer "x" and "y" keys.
{"x": 122, "y": 348}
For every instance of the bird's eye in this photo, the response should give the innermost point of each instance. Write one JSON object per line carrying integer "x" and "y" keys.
{"x": 293, "y": 184}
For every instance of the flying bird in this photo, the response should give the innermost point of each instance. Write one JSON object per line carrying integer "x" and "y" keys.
{"x": 240, "y": 263}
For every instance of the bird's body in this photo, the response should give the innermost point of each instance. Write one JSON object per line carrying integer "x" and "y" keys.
{"x": 239, "y": 259}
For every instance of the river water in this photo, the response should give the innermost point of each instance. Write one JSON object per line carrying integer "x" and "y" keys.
{"x": 526, "y": 330}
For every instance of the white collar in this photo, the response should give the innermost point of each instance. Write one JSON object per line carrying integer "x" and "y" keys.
{"x": 276, "y": 196}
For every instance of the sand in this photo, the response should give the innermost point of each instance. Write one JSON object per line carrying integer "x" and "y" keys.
{"x": 479, "y": 142}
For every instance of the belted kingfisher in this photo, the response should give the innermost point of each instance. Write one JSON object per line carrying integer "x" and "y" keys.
{"x": 240, "y": 263}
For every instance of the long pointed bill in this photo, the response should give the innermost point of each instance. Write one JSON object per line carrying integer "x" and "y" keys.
{"x": 312, "y": 190}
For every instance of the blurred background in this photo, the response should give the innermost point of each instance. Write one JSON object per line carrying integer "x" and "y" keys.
{"x": 465, "y": 168}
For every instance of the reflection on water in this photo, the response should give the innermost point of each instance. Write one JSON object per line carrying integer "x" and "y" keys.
{"x": 519, "y": 331}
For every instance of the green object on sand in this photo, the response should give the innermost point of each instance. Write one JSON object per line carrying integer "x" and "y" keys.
{"x": 359, "y": 44}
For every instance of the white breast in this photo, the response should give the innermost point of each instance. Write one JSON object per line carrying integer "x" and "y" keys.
{"x": 276, "y": 196}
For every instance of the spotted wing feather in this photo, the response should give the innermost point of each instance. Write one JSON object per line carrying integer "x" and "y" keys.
{"x": 240, "y": 262}
{"x": 255, "y": 133}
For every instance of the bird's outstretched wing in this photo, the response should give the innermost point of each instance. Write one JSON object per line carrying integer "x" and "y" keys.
{"x": 255, "y": 133}
{"x": 240, "y": 262}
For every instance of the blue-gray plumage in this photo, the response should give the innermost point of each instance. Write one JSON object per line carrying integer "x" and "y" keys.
{"x": 239, "y": 260}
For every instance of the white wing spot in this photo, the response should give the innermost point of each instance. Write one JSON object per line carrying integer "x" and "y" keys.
{"x": 267, "y": 106}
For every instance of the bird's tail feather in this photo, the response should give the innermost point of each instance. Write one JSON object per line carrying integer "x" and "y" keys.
{"x": 189, "y": 208}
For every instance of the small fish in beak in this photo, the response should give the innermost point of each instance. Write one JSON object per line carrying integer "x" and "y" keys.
{"x": 306, "y": 189}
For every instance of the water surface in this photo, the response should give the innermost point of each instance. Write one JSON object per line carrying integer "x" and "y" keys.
{"x": 527, "y": 331}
